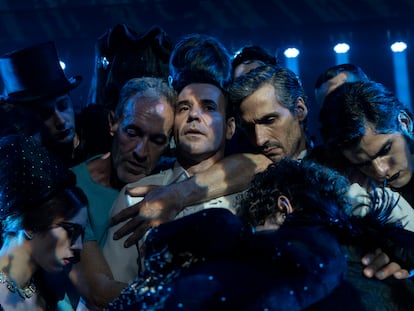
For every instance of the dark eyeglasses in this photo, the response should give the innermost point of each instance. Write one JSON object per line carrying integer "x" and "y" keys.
{"x": 74, "y": 230}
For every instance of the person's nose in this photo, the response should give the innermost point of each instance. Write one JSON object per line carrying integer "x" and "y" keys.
{"x": 58, "y": 119}
{"x": 141, "y": 148}
{"x": 77, "y": 244}
{"x": 195, "y": 112}
{"x": 381, "y": 167}
{"x": 260, "y": 135}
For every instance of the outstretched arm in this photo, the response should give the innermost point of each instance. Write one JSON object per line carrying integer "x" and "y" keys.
{"x": 232, "y": 174}
{"x": 93, "y": 278}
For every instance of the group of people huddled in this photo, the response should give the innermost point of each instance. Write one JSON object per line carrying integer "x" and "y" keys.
{"x": 189, "y": 183}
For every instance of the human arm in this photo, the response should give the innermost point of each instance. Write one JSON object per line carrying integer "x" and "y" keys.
{"x": 232, "y": 174}
{"x": 379, "y": 265}
{"x": 93, "y": 278}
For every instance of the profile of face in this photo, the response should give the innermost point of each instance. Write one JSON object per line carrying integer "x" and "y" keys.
{"x": 200, "y": 125}
{"x": 140, "y": 136}
{"x": 272, "y": 128}
{"x": 59, "y": 119}
{"x": 383, "y": 157}
{"x": 56, "y": 247}
{"x": 328, "y": 86}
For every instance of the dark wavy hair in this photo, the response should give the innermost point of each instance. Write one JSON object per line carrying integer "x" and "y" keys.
{"x": 355, "y": 71}
{"x": 315, "y": 192}
{"x": 250, "y": 53}
{"x": 202, "y": 54}
{"x": 353, "y": 106}
{"x": 287, "y": 85}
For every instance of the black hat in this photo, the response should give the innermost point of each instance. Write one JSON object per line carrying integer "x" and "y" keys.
{"x": 34, "y": 73}
{"x": 253, "y": 52}
{"x": 29, "y": 174}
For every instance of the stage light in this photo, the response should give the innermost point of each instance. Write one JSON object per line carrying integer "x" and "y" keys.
{"x": 291, "y": 52}
{"x": 398, "y": 46}
{"x": 62, "y": 65}
{"x": 401, "y": 76}
{"x": 341, "y": 48}
{"x": 341, "y": 53}
{"x": 292, "y": 59}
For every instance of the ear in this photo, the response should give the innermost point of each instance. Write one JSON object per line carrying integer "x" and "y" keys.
{"x": 406, "y": 123}
{"x": 230, "y": 127}
{"x": 301, "y": 109}
{"x": 113, "y": 126}
{"x": 284, "y": 204}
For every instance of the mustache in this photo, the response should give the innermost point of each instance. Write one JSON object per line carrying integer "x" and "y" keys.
{"x": 270, "y": 145}
{"x": 393, "y": 177}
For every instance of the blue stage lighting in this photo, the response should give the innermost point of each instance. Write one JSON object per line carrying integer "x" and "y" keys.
{"x": 62, "y": 65}
{"x": 341, "y": 48}
{"x": 292, "y": 52}
{"x": 398, "y": 46}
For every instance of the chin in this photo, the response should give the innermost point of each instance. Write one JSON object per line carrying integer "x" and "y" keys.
{"x": 54, "y": 269}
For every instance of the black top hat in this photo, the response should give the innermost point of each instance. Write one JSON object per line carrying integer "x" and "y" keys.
{"x": 34, "y": 73}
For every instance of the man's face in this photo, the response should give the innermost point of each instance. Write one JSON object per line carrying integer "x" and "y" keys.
{"x": 140, "y": 137}
{"x": 330, "y": 85}
{"x": 383, "y": 157}
{"x": 59, "y": 119}
{"x": 200, "y": 126}
{"x": 272, "y": 128}
{"x": 245, "y": 67}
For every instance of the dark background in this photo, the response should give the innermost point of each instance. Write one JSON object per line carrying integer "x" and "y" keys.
{"x": 313, "y": 26}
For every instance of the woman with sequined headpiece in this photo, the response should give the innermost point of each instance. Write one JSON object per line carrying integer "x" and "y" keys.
{"x": 42, "y": 216}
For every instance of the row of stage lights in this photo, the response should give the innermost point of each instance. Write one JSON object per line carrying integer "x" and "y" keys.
{"x": 401, "y": 76}
{"x": 342, "y": 48}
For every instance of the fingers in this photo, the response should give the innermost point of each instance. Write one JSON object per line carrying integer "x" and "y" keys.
{"x": 137, "y": 234}
{"x": 387, "y": 271}
{"x": 378, "y": 265}
{"x": 139, "y": 191}
{"x": 403, "y": 274}
{"x": 127, "y": 228}
{"x": 125, "y": 214}
{"x": 374, "y": 262}
{"x": 140, "y": 231}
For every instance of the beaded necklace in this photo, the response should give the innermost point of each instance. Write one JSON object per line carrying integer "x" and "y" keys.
{"x": 26, "y": 292}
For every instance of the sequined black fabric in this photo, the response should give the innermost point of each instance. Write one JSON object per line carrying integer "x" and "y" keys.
{"x": 29, "y": 174}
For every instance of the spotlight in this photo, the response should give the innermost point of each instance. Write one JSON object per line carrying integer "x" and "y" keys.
{"x": 398, "y": 46}
{"x": 62, "y": 65}
{"x": 292, "y": 52}
{"x": 341, "y": 48}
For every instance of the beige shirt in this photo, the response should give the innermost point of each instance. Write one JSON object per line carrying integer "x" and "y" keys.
{"x": 125, "y": 262}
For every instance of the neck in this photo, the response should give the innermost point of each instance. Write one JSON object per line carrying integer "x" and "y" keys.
{"x": 102, "y": 172}
{"x": 301, "y": 146}
{"x": 16, "y": 260}
{"x": 193, "y": 165}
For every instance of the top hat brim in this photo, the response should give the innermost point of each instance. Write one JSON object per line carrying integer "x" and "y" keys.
{"x": 54, "y": 89}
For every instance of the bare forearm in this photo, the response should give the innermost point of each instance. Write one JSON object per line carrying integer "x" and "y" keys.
{"x": 93, "y": 278}
{"x": 232, "y": 174}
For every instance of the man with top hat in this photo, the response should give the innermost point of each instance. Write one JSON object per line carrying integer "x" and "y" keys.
{"x": 37, "y": 96}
